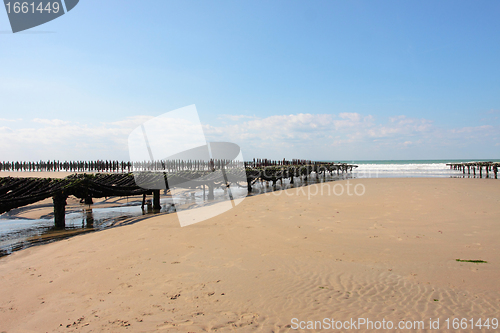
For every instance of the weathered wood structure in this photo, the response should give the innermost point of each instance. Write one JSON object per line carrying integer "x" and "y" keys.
{"x": 274, "y": 173}
{"x": 17, "y": 192}
{"x": 477, "y": 167}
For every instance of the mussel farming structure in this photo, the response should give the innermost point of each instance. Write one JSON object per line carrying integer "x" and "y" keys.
{"x": 122, "y": 179}
{"x": 489, "y": 167}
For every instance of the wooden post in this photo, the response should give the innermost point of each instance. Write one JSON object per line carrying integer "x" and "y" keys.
{"x": 59, "y": 200}
{"x": 88, "y": 200}
{"x": 480, "y": 171}
{"x": 249, "y": 185}
{"x": 90, "y": 218}
{"x": 156, "y": 200}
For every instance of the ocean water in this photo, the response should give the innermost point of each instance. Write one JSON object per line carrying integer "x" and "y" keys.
{"x": 407, "y": 168}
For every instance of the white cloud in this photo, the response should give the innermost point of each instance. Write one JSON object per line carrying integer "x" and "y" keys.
{"x": 60, "y": 139}
{"x": 307, "y": 133}
{"x": 234, "y": 117}
{"x": 52, "y": 122}
{"x": 485, "y": 129}
{"x": 274, "y": 128}
{"x": 303, "y": 135}
{"x": 131, "y": 122}
{"x": 401, "y": 125}
{"x": 355, "y": 117}
{"x": 350, "y": 134}
{"x": 5, "y": 129}
{"x": 352, "y": 125}
{"x": 4, "y": 120}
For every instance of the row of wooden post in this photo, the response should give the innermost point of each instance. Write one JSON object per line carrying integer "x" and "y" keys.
{"x": 460, "y": 166}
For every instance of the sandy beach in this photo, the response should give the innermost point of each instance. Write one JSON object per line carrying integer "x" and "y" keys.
{"x": 389, "y": 254}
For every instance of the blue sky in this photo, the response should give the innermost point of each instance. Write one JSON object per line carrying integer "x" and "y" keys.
{"x": 331, "y": 80}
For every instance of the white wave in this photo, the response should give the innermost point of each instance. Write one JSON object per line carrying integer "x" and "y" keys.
{"x": 405, "y": 170}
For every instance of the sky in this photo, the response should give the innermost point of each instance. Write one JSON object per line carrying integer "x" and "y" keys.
{"x": 322, "y": 80}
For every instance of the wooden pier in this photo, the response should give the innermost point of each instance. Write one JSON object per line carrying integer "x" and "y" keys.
{"x": 17, "y": 192}
{"x": 477, "y": 168}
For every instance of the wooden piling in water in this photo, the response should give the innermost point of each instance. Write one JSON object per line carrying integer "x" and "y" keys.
{"x": 156, "y": 200}
{"x": 89, "y": 218}
{"x": 59, "y": 200}
{"x": 477, "y": 167}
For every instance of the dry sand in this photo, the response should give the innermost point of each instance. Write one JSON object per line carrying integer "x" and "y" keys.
{"x": 388, "y": 254}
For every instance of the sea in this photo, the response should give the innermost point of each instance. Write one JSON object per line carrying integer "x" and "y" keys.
{"x": 408, "y": 168}
{"x": 18, "y": 233}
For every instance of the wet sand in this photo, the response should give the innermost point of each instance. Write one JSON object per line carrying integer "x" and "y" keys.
{"x": 388, "y": 254}
{"x": 45, "y": 208}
